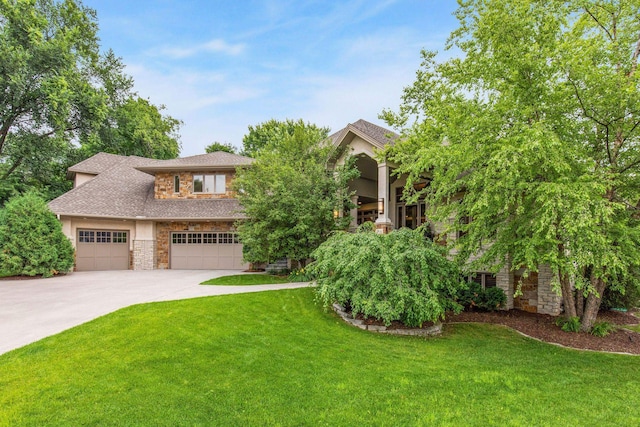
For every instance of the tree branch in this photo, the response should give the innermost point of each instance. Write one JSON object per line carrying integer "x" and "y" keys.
{"x": 589, "y": 116}
{"x": 13, "y": 168}
{"x": 599, "y": 23}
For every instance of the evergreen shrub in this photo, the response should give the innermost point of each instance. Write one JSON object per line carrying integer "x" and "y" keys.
{"x": 31, "y": 239}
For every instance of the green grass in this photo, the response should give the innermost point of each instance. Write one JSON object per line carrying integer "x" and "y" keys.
{"x": 276, "y": 358}
{"x": 633, "y": 327}
{"x": 246, "y": 279}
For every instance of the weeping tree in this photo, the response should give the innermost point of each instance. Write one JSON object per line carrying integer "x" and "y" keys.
{"x": 532, "y": 133}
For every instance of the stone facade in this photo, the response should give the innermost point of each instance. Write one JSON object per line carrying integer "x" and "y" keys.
{"x": 164, "y": 185}
{"x": 144, "y": 254}
{"x": 549, "y": 302}
{"x": 163, "y": 235}
{"x": 504, "y": 281}
{"x": 528, "y": 299}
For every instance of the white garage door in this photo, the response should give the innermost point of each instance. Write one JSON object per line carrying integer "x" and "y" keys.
{"x": 206, "y": 251}
{"x": 102, "y": 250}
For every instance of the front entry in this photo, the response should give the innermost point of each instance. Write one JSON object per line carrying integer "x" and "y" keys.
{"x": 206, "y": 251}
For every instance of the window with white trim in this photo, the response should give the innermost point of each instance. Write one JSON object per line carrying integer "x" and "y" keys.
{"x": 176, "y": 183}
{"x": 212, "y": 184}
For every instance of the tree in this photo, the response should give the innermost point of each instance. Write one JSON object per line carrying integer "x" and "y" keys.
{"x": 136, "y": 127}
{"x": 50, "y": 55}
{"x": 290, "y": 194}
{"x": 537, "y": 126}
{"x": 219, "y": 146}
{"x": 272, "y": 130}
{"x": 32, "y": 239}
{"x": 63, "y": 101}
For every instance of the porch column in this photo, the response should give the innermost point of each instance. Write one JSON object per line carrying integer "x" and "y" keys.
{"x": 383, "y": 223}
{"x": 354, "y": 213}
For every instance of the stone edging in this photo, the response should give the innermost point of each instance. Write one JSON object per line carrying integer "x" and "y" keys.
{"x": 433, "y": 330}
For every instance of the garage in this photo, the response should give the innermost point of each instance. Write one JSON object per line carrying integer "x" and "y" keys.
{"x": 206, "y": 251}
{"x": 102, "y": 250}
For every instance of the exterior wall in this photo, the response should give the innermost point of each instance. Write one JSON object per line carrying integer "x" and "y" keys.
{"x": 505, "y": 281}
{"x": 164, "y": 185}
{"x": 81, "y": 178}
{"x": 144, "y": 246}
{"x": 163, "y": 235}
{"x": 549, "y": 302}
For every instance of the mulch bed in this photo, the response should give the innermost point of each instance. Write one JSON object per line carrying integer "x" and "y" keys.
{"x": 543, "y": 327}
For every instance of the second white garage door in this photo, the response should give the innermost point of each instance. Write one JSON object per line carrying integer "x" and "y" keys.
{"x": 206, "y": 251}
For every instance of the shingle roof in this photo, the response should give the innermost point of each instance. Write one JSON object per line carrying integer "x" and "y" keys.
{"x": 122, "y": 191}
{"x": 377, "y": 134}
{"x": 219, "y": 159}
{"x": 95, "y": 164}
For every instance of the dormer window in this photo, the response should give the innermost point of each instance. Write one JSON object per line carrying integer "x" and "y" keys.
{"x": 212, "y": 184}
{"x": 176, "y": 184}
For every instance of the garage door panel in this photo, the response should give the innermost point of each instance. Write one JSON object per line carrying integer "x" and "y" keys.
{"x": 102, "y": 250}
{"x": 206, "y": 250}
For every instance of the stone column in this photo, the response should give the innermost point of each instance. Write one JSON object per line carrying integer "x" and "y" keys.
{"x": 505, "y": 281}
{"x": 383, "y": 223}
{"x": 354, "y": 214}
{"x": 549, "y": 302}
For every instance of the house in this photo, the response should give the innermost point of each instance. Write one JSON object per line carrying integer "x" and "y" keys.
{"x": 142, "y": 214}
{"x": 378, "y": 198}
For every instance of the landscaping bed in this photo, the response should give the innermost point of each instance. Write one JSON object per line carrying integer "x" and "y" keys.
{"x": 543, "y": 327}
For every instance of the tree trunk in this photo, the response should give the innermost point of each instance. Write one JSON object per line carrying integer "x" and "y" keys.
{"x": 592, "y": 306}
{"x": 579, "y": 303}
{"x": 567, "y": 296}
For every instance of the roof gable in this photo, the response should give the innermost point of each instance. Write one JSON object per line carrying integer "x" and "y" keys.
{"x": 375, "y": 135}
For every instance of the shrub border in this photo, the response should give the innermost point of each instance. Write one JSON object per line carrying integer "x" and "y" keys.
{"x": 436, "y": 329}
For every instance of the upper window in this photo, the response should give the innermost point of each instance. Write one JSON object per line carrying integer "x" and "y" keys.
{"x": 176, "y": 184}
{"x": 209, "y": 184}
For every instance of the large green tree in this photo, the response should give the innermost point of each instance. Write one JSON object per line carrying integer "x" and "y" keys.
{"x": 48, "y": 57}
{"x": 136, "y": 127}
{"x": 532, "y": 132}
{"x": 62, "y": 100}
{"x": 265, "y": 133}
{"x": 290, "y": 194}
{"x": 219, "y": 146}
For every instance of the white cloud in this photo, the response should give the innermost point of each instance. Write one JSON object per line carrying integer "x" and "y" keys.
{"x": 213, "y": 46}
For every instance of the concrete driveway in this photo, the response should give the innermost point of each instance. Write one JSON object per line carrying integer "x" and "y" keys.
{"x": 34, "y": 309}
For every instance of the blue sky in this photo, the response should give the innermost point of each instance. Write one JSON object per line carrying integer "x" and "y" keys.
{"x": 220, "y": 66}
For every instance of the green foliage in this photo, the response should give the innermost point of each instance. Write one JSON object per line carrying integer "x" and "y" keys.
{"x": 301, "y": 275}
{"x": 601, "y": 329}
{"x": 398, "y": 276}
{"x": 289, "y": 196}
{"x": 624, "y": 294}
{"x": 59, "y": 91}
{"x": 32, "y": 242}
{"x": 532, "y": 132}
{"x": 219, "y": 146}
{"x": 474, "y": 296}
{"x": 569, "y": 325}
{"x": 136, "y": 127}
{"x": 272, "y": 132}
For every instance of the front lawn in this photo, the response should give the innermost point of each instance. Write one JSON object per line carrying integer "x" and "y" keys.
{"x": 247, "y": 279}
{"x": 275, "y": 358}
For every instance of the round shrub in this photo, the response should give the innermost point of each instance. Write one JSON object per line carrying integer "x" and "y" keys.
{"x": 32, "y": 239}
{"x": 396, "y": 276}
